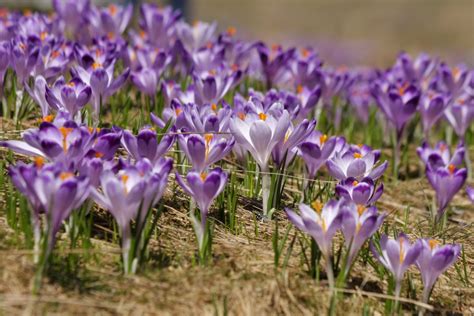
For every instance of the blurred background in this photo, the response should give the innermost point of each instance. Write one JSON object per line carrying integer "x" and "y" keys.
{"x": 351, "y": 32}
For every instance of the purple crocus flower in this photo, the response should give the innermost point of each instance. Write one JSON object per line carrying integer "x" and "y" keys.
{"x": 453, "y": 80}
{"x": 50, "y": 190}
{"x": 23, "y": 58}
{"x": 4, "y": 62}
{"x": 434, "y": 260}
{"x": 418, "y": 69}
{"x": 102, "y": 82}
{"x": 203, "y": 188}
{"x": 124, "y": 192}
{"x": 197, "y": 35}
{"x": 446, "y": 181}
{"x": 355, "y": 164}
{"x": 38, "y": 94}
{"x": 362, "y": 193}
{"x": 146, "y": 145}
{"x": 146, "y": 80}
{"x": 158, "y": 23}
{"x": 470, "y": 193}
{"x": 68, "y": 97}
{"x": 397, "y": 255}
{"x": 211, "y": 86}
{"x": 275, "y": 63}
{"x": 359, "y": 223}
{"x": 460, "y": 114}
{"x": 316, "y": 150}
{"x": 306, "y": 69}
{"x": 432, "y": 106}
{"x": 321, "y": 223}
{"x": 111, "y": 21}
{"x": 398, "y": 103}
{"x": 440, "y": 156}
{"x": 293, "y": 138}
{"x": 203, "y": 151}
{"x": 72, "y": 12}
{"x": 308, "y": 99}
{"x": 52, "y": 61}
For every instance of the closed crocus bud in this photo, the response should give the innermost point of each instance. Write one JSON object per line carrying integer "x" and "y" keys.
{"x": 434, "y": 260}
{"x": 145, "y": 144}
{"x": 397, "y": 255}
{"x": 203, "y": 188}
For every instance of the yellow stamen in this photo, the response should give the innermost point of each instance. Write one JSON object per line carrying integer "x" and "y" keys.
{"x": 357, "y": 155}
{"x": 65, "y": 131}
{"x": 360, "y": 145}
{"x": 39, "y": 162}
{"x": 113, "y": 9}
{"x": 66, "y": 175}
{"x": 305, "y": 52}
{"x": 70, "y": 84}
{"x": 209, "y": 45}
{"x": 231, "y": 31}
{"x": 403, "y": 88}
{"x": 433, "y": 243}
{"x": 27, "y": 12}
{"x": 96, "y": 65}
{"x": 455, "y": 72}
{"x": 214, "y": 107}
{"x": 299, "y": 89}
{"x": 43, "y": 35}
{"x": 360, "y": 209}
{"x": 317, "y": 206}
{"x": 355, "y": 183}
{"x": 48, "y": 118}
{"x": 203, "y": 176}
{"x": 98, "y": 154}
{"x": 178, "y": 111}
{"x": 262, "y": 116}
{"x": 451, "y": 168}
{"x": 323, "y": 139}
{"x": 212, "y": 72}
{"x": 208, "y": 138}
{"x": 124, "y": 181}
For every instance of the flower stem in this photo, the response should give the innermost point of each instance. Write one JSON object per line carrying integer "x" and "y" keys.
{"x": 266, "y": 182}
{"x": 467, "y": 160}
{"x": 19, "y": 98}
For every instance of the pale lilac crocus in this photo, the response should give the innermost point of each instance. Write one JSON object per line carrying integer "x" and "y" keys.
{"x": 359, "y": 223}
{"x": 204, "y": 150}
{"x": 321, "y": 223}
{"x": 363, "y": 192}
{"x": 260, "y": 134}
{"x": 203, "y": 188}
{"x": 432, "y": 106}
{"x": 434, "y": 260}
{"x": 397, "y": 255}
{"x": 440, "y": 155}
{"x": 316, "y": 150}
{"x": 68, "y": 97}
{"x": 355, "y": 164}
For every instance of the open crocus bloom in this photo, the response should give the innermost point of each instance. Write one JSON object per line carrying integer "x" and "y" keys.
{"x": 319, "y": 221}
{"x": 440, "y": 155}
{"x": 259, "y": 134}
{"x": 359, "y": 223}
{"x": 355, "y": 164}
{"x": 70, "y": 97}
{"x": 434, "y": 260}
{"x": 145, "y": 144}
{"x": 397, "y": 255}
{"x": 446, "y": 181}
{"x": 204, "y": 150}
{"x": 362, "y": 192}
{"x": 316, "y": 150}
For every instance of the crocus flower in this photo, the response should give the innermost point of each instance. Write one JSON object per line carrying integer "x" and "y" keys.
{"x": 195, "y": 36}
{"x": 50, "y": 190}
{"x": 397, "y": 255}
{"x": 124, "y": 192}
{"x": 146, "y": 145}
{"x": 23, "y": 58}
{"x": 356, "y": 165}
{"x": 294, "y": 136}
{"x": 203, "y": 151}
{"x": 275, "y": 63}
{"x": 362, "y": 192}
{"x": 316, "y": 150}
{"x": 359, "y": 223}
{"x": 211, "y": 86}
{"x": 68, "y": 97}
{"x": 38, "y": 94}
{"x": 440, "y": 155}
{"x": 432, "y": 106}
{"x": 460, "y": 114}
{"x": 306, "y": 69}
{"x": 321, "y": 223}
{"x": 158, "y": 23}
{"x": 203, "y": 188}
{"x": 453, "y": 80}
{"x": 470, "y": 193}
{"x": 434, "y": 260}
{"x": 446, "y": 181}
{"x": 72, "y": 12}
{"x": 102, "y": 82}
{"x": 418, "y": 69}
{"x": 110, "y": 21}
{"x": 146, "y": 80}
{"x": 4, "y": 62}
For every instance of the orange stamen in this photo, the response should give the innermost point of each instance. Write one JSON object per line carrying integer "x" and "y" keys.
{"x": 96, "y": 65}
{"x": 241, "y": 115}
{"x": 66, "y": 175}
{"x": 43, "y": 35}
{"x": 433, "y": 243}
{"x": 55, "y": 54}
{"x": 39, "y": 162}
{"x": 209, "y": 45}
{"x": 98, "y": 154}
{"x": 357, "y": 155}
{"x": 231, "y": 31}
{"x": 355, "y": 183}
{"x": 113, "y": 9}
{"x": 299, "y": 89}
{"x": 65, "y": 131}
{"x": 48, "y": 118}
{"x": 451, "y": 168}
{"x": 262, "y": 116}
{"x": 317, "y": 206}
{"x": 203, "y": 176}
{"x": 323, "y": 139}
{"x": 401, "y": 240}
{"x": 361, "y": 209}
{"x": 178, "y": 111}
{"x": 214, "y": 107}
